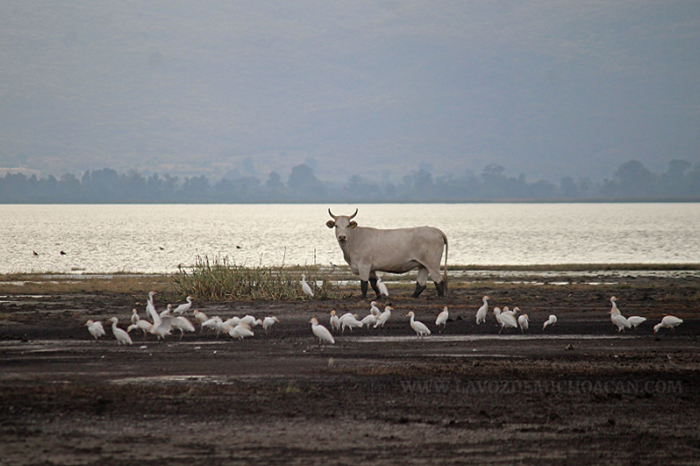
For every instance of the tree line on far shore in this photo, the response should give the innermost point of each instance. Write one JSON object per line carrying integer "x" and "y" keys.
{"x": 630, "y": 181}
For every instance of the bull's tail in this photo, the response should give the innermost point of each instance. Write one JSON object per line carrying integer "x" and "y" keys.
{"x": 444, "y": 278}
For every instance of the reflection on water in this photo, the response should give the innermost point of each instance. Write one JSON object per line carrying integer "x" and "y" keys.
{"x": 158, "y": 238}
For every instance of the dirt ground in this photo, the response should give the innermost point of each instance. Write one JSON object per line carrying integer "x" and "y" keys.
{"x": 577, "y": 393}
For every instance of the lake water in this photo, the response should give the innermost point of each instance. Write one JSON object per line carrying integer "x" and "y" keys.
{"x": 158, "y": 238}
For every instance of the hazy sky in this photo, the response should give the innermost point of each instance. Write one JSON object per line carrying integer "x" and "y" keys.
{"x": 375, "y": 88}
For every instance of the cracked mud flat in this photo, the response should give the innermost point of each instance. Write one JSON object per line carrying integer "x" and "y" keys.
{"x": 578, "y": 394}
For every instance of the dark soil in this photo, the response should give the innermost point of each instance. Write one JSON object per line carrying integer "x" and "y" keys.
{"x": 577, "y": 393}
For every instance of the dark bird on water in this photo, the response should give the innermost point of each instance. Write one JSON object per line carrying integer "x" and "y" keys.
{"x": 35, "y": 253}
{"x": 63, "y": 253}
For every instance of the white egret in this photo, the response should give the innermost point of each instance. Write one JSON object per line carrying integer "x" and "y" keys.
{"x": 182, "y": 308}
{"x": 321, "y": 332}
{"x": 134, "y": 316}
{"x": 634, "y": 321}
{"x": 668, "y": 322}
{"x": 384, "y": 317}
{"x": 442, "y": 318}
{"x": 524, "y": 322}
{"x": 335, "y": 321}
{"x": 122, "y": 337}
{"x": 551, "y": 321}
{"x": 374, "y": 309}
{"x": 305, "y": 287}
{"x": 95, "y": 328}
{"x": 269, "y": 322}
{"x": 483, "y": 310}
{"x": 382, "y": 287}
{"x": 419, "y": 327}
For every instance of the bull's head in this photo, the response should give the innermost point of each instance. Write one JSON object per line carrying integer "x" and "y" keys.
{"x": 341, "y": 223}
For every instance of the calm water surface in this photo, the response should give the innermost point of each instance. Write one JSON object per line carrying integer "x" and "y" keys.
{"x": 158, "y": 238}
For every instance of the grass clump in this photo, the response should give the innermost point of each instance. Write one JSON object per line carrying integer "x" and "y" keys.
{"x": 220, "y": 280}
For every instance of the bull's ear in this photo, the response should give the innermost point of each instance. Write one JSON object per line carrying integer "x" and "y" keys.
{"x": 330, "y": 223}
{"x": 353, "y": 224}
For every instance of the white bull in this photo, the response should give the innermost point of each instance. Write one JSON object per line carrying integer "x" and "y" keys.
{"x": 367, "y": 250}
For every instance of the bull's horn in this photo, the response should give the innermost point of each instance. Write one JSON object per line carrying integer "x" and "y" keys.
{"x": 353, "y": 215}
{"x": 329, "y": 211}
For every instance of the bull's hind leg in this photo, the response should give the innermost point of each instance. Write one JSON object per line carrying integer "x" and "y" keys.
{"x": 373, "y": 283}
{"x": 439, "y": 284}
{"x": 420, "y": 281}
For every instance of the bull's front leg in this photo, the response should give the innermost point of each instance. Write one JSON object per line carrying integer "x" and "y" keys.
{"x": 420, "y": 281}
{"x": 365, "y": 272}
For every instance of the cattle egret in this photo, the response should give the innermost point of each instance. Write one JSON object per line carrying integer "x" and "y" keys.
{"x": 419, "y": 327}
{"x": 182, "y": 324}
{"x": 122, "y": 337}
{"x": 374, "y": 309}
{"x": 442, "y": 318}
{"x": 383, "y": 317}
{"x": 200, "y": 317}
{"x": 212, "y": 323}
{"x": 182, "y": 308}
{"x": 368, "y": 250}
{"x": 350, "y": 321}
{"x": 134, "y": 316}
{"x": 620, "y": 321}
{"x": 506, "y": 319}
{"x": 524, "y": 322}
{"x": 335, "y": 322}
{"x": 95, "y": 328}
{"x": 151, "y": 307}
{"x": 250, "y": 320}
{"x": 382, "y": 287}
{"x": 269, "y": 322}
{"x": 634, "y": 321}
{"x": 370, "y": 319}
{"x": 551, "y": 321}
{"x": 141, "y": 324}
{"x": 481, "y": 313}
{"x": 305, "y": 287}
{"x": 240, "y": 331}
{"x": 512, "y": 313}
{"x": 168, "y": 310}
{"x": 668, "y": 322}
{"x": 162, "y": 327}
{"x": 321, "y": 332}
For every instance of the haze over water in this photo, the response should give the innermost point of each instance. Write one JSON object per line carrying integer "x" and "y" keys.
{"x": 158, "y": 238}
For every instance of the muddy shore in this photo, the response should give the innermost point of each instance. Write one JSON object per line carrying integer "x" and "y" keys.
{"x": 577, "y": 393}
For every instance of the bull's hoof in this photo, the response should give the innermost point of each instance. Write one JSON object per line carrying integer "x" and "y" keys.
{"x": 440, "y": 287}
{"x": 419, "y": 290}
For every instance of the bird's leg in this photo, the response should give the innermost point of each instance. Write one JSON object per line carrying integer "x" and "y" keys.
{"x": 418, "y": 291}
{"x": 363, "y": 288}
{"x": 373, "y": 282}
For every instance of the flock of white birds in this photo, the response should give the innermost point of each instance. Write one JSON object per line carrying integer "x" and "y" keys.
{"x": 170, "y": 320}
